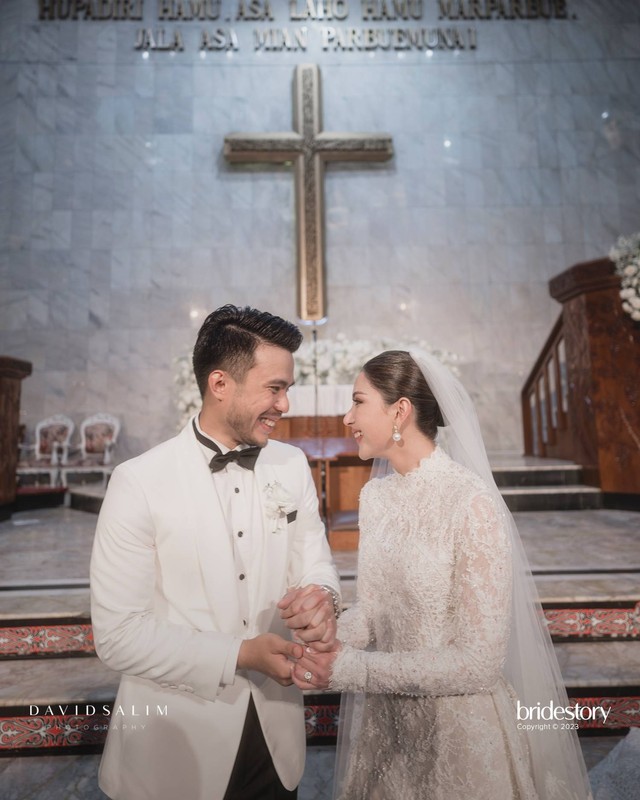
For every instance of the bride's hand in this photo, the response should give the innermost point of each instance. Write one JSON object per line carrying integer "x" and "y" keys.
{"x": 313, "y": 670}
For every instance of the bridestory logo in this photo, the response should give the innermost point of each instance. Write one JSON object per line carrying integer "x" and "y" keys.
{"x": 554, "y": 713}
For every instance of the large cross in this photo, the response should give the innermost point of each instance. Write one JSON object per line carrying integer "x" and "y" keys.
{"x": 308, "y": 147}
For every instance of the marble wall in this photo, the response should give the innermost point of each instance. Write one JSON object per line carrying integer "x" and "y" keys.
{"x": 121, "y": 225}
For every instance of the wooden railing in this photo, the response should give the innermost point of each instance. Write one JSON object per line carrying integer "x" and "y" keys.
{"x": 12, "y": 372}
{"x": 581, "y": 401}
{"x": 545, "y": 400}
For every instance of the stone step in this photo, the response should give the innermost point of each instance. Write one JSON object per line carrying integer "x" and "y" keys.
{"x": 343, "y": 525}
{"x": 526, "y": 483}
{"x": 552, "y": 498}
{"x": 45, "y": 603}
{"x": 63, "y": 681}
{"x": 539, "y": 475}
{"x": 51, "y": 697}
{"x": 584, "y": 587}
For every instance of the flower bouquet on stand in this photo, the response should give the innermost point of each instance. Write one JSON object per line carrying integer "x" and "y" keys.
{"x": 625, "y": 254}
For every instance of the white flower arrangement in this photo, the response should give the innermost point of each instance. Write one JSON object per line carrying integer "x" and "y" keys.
{"x": 340, "y": 360}
{"x": 278, "y": 505}
{"x": 625, "y": 254}
{"x": 187, "y": 394}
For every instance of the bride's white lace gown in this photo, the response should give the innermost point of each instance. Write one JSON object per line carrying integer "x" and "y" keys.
{"x": 434, "y": 586}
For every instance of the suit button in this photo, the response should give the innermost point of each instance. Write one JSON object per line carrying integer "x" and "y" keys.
{"x": 244, "y": 622}
{"x": 241, "y": 534}
{"x": 236, "y": 490}
{"x": 241, "y": 576}
{"x": 182, "y": 687}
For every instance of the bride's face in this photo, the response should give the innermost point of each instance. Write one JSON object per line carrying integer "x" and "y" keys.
{"x": 370, "y": 419}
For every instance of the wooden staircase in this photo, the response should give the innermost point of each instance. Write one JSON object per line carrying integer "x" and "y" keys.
{"x": 581, "y": 401}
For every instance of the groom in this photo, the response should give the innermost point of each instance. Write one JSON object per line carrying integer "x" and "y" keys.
{"x": 197, "y": 542}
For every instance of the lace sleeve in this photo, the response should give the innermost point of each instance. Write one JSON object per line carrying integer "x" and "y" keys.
{"x": 354, "y": 627}
{"x": 472, "y": 660}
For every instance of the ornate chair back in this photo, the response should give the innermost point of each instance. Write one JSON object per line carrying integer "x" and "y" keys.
{"x": 98, "y": 436}
{"x": 52, "y": 437}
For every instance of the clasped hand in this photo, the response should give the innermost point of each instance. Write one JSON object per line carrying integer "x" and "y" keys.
{"x": 308, "y": 612}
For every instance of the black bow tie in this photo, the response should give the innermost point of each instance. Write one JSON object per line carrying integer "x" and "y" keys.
{"x": 245, "y": 458}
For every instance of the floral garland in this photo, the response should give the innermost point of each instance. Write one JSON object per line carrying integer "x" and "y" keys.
{"x": 339, "y": 361}
{"x": 187, "y": 394}
{"x": 625, "y": 254}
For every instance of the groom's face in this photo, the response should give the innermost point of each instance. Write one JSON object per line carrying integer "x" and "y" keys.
{"x": 260, "y": 399}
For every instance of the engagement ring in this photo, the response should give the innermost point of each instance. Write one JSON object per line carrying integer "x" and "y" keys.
{"x": 308, "y": 676}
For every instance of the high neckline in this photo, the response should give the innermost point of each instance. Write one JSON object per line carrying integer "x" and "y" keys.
{"x": 429, "y": 463}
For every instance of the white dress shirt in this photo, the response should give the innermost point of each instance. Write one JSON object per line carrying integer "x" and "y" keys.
{"x": 238, "y": 494}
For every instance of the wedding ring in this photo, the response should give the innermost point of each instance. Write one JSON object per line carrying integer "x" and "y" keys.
{"x": 308, "y": 676}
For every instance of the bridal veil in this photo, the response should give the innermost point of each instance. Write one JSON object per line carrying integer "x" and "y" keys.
{"x": 531, "y": 666}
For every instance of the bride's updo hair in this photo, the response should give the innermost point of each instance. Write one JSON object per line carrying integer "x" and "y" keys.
{"x": 395, "y": 374}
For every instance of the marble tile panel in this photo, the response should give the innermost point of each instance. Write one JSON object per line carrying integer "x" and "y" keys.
{"x": 83, "y": 151}
{"x": 66, "y": 75}
{"x": 81, "y": 234}
{"x": 14, "y": 305}
{"x": 97, "y": 378}
{"x": 420, "y": 182}
{"x": 34, "y": 153}
{"x": 548, "y": 157}
{"x": 51, "y": 230}
{"x": 26, "y": 114}
{"x": 45, "y": 111}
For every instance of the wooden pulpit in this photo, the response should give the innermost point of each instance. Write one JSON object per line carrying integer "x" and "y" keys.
{"x": 12, "y": 372}
{"x": 603, "y": 375}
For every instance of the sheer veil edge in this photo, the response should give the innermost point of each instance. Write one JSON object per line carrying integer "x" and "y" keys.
{"x": 531, "y": 666}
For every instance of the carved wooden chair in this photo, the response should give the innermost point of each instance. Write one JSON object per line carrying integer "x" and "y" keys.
{"x": 98, "y": 437}
{"x": 49, "y": 452}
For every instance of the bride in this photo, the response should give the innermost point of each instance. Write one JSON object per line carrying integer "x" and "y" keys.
{"x": 445, "y": 650}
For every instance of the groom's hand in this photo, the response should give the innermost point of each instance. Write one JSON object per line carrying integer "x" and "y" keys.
{"x": 271, "y": 655}
{"x": 309, "y": 613}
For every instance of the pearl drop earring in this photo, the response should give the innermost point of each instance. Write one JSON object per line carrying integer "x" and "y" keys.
{"x": 396, "y": 435}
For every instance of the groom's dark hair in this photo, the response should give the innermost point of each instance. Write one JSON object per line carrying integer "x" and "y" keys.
{"x": 228, "y": 339}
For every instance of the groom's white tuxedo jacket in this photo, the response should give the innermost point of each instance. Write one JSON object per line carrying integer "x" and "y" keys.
{"x": 166, "y": 614}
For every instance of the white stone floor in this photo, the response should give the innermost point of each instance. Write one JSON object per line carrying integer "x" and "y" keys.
{"x": 44, "y": 558}
{"x": 52, "y": 547}
{"x": 75, "y": 777}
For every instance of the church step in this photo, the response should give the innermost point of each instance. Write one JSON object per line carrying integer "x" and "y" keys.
{"x": 552, "y": 498}
{"x": 538, "y": 475}
{"x": 59, "y": 706}
{"x": 86, "y": 497}
{"x": 343, "y": 525}
{"x": 44, "y": 603}
{"x": 66, "y": 681}
{"x": 61, "y": 638}
{"x": 522, "y": 484}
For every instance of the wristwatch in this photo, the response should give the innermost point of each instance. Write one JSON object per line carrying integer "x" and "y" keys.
{"x": 335, "y": 597}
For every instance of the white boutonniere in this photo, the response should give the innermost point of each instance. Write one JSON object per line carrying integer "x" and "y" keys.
{"x": 279, "y": 505}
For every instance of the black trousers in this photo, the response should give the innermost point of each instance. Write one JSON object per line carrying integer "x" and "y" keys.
{"x": 253, "y": 776}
